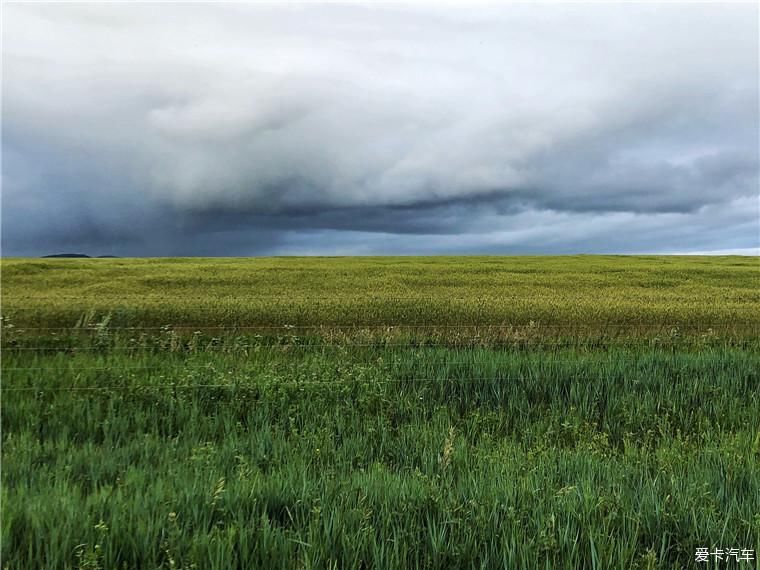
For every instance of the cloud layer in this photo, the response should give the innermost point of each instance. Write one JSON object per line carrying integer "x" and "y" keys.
{"x": 252, "y": 129}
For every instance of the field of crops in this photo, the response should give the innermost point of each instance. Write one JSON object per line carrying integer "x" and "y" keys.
{"x": 483, "y": 412}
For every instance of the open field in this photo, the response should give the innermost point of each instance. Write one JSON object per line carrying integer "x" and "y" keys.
{"x": 577, "y": 291}
{"x": 574, "y": 412}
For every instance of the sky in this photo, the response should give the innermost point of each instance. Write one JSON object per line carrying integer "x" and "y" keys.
{"x": 353, "y": 129}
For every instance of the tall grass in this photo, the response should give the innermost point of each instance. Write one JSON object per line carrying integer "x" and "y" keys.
{"x": 594, "y": 412}
{"x": 357, "y": 458}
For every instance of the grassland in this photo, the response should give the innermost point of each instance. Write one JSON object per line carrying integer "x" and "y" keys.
{"x": 575, "y": 412}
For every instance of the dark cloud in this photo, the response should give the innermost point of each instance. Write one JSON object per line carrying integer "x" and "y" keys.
{"x": 241, "y": 129}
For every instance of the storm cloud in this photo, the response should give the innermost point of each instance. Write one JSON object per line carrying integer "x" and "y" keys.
{"x": 231, "y": 129}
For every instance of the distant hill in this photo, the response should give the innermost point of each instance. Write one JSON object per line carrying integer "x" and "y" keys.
{"x": 80, "y": 255}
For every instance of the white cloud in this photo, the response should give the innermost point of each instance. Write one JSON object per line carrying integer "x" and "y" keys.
{"x": 206, "y": 110}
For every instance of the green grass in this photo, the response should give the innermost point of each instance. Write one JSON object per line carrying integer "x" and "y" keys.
{"x": 624, "y": 438}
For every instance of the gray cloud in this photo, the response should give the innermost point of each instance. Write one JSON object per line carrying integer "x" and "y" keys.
{"x": 252, "y": 129}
